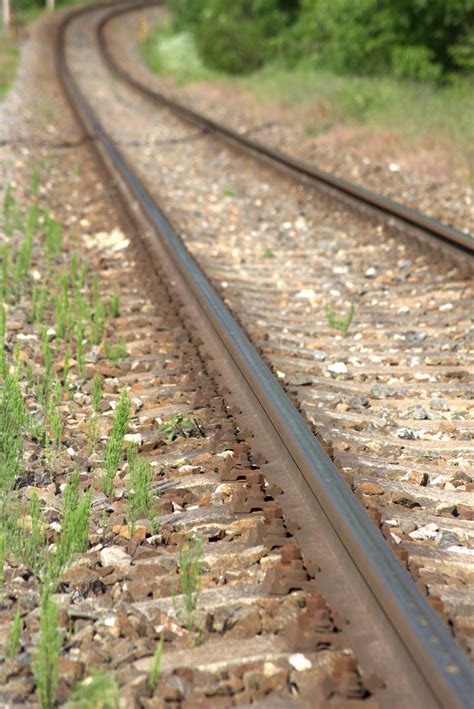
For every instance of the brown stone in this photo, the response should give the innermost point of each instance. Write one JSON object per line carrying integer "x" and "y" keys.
{"x": 369, "y": 488}
{"x": 79, "y": 577}
{"x": 70, "y": 670}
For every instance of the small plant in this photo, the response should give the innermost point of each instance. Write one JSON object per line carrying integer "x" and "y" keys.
{"x": 181, "y": 425}
{"x": 9, "y": 207}
{"x": 67, "y": 363}
{"x": 155, "y": 664}
{"x": 42, "y": 300}
{"x": 5, "y": 256}
{"x": 14, "y": 637}
{"x": 96, "y": 393}
{"x": 3, "y": 324}
{"x": 80, "y": 354}
{"x": 75, "y": 522}
{"x": 31, "y": 544}
{"x": 52, "y": 235}
{"x": 92, "y": 434}
{"x": 3, "y": 553}
{"x": 114, "y": 447}
{"x": 115, "y": 304}
{"x": 228, "y": 192}
{"x": 268, "y": 254}
{"x": 35, "y": 182}
{"x": 46, "y": 664}
{"x": 341, "y": 323}
{"x": 99, "y": 691}
{"x": 189, "y": 566}
{"x": 99, "y": 317}
{"x": 55, "y": 422}
{"x": 139, "y": 494}
{"x": 114, "y": 353}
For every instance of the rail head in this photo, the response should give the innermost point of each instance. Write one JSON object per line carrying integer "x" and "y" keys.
{"x": 443, "y": 666}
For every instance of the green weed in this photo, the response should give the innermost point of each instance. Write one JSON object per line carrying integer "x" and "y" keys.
{"x": 80, "y": 354}
{"x": 96, "y": 393}
{"x": 46, "y": 663}
{"x": 75, "y": 521}
{"x": 114, "y": 447}
{"x": 115, "y": 305}
{"x": 181, "y": 425}
{"x": 139, "y": 493}
{"x": 35, "y": 182}
{"x": 99, "y": 691}
{"x": 92, "y": 434}
{"x": 341, "y": 323}
{"x": 52, "y": 235}
{"x": 14, "y": 637}
{"x": 190, "y": 567}
{"x": 155, "y": 664}
{"x": 115, "y": 353}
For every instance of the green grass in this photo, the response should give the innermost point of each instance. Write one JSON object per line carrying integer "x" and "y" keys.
{"x": 8, "y": 61}
{"x": 46, "y": 663}
{"x": 99, "y": 691}
{"x": 166, "y": 52}
{"x": 322, "y": 99}
{"x": 114, "y": 447}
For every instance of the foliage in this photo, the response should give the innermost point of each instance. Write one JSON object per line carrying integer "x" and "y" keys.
{"x": 190, "y": 569}
{"x": 420, "y": 39}
{"x": 181, "y": 425}
{"x": 416, "y": 39}
{"x": 232, "y": 37}
{"x": 114, "y": 447}
{"x": 14, "y": 637}
{"x": 75, "y": 521}
{"x": 46, "y": 665}
{"x": 342, "y": 322}
{"x": 155, "y": 664}
{"x": 139, "y": 492}
{"x": 99, "y": 691}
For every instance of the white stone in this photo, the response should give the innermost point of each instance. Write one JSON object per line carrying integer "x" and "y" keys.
{"x": 299, "y": 662}
{"x": 461, "y": 550}
{"x": 115, "y": 556}
{"x": 133, "y": 438}
{"x": 338, "y": 368}
{"x": 305, "y": 293}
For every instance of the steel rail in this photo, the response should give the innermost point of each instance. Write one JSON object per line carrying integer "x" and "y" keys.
{"x": 387, "y": 206}
{"x": 443, "y": 668}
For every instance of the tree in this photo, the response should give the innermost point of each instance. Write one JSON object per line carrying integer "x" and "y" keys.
{"x": 6, "y": 14}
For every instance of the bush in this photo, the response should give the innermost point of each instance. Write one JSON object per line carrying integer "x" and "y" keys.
{"x": 417, "y": 39}
{"x": 235, "y": 37}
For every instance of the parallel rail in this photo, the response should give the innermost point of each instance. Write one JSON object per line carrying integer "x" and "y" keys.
{"x": 414, "y": 629}
{"x": 384, "y": 205}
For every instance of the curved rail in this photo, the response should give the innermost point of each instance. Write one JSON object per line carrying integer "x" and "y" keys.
{"x": 442, "y": 667}
{"x": 387, "y": 206}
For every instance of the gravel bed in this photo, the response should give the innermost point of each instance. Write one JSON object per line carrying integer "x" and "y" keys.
{"x": 392, "y": 399}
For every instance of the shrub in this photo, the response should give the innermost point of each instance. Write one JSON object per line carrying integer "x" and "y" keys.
{"x": 238, "y": 37}
{"x": 418, "y": 39}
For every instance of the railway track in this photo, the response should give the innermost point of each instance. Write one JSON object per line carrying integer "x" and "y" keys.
{"x": 347, "y": 563}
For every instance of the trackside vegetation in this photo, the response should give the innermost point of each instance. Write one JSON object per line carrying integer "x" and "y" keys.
{"x": 415, "y": 39}
{"x": 402, "y": 66}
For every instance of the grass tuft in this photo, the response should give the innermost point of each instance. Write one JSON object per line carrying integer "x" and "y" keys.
{"x": 114, "y": 447}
